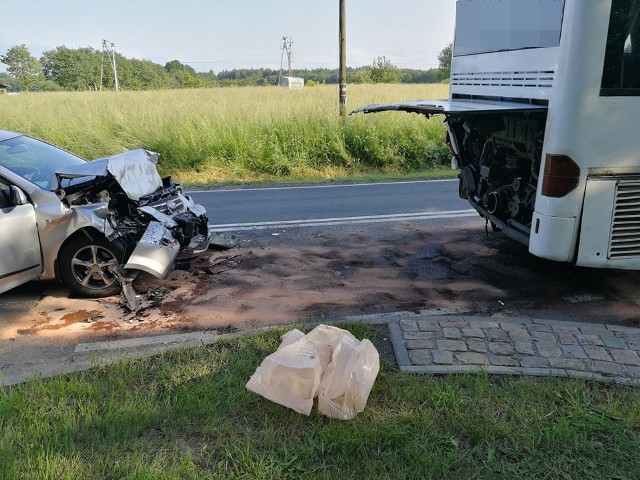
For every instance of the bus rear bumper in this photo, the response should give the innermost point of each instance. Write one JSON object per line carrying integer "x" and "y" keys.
{"x": 610, "y": 230}
{"x": 553, "y": 238}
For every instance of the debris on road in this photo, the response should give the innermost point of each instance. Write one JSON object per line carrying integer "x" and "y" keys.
{"x": 583, "y": 298}
{"x": 222, "y": 240}
{"x": 220, "y": 265}
{"x": 129, "y": 298}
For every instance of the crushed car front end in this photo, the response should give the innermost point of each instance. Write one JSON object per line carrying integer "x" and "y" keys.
{"x": 148, "y": 219}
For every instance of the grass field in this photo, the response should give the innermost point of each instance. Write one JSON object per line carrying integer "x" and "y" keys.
{"x": 187, "y": 415}
{"x": 240, "y": 134}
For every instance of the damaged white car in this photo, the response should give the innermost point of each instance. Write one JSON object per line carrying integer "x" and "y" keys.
{"x": 92, "y": 225}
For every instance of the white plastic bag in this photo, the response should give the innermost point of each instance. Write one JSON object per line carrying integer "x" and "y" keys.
{"x": 347, "y": 381}
{"x": 291, "y": 375}
{"x": 329, "y": 363}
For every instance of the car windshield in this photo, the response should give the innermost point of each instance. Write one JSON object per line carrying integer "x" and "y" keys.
{"x": 34, "y": 160}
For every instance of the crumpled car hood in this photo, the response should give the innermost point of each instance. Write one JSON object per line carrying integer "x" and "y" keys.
{"x": 135, "y": 171}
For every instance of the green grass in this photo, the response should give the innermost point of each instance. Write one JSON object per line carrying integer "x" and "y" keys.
{"x": 245, "y": 134}
{"x": 429, "y": 174}
{"x": 186, "y": 414}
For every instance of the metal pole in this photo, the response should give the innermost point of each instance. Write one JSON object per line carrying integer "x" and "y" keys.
{"x": 343, "y": 61}
{"x": 115, "y": 71}
{"x": 102, "y": 63}
{"x": 290, "y": 56}
{"x": 284, "y": 46}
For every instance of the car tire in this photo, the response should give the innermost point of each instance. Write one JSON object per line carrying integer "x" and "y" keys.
{"x": 84, "y": 266}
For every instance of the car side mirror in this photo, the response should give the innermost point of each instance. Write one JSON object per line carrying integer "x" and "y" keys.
{"x": 18, "y": 197}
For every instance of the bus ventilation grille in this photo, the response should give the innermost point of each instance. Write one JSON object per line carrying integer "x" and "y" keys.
{"x": 536, "y": 79}
{"x": 625, "y": 227}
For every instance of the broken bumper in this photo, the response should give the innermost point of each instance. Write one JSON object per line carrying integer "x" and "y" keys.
{"x": 198, "y": 245}
{"x": 156, "y": 251}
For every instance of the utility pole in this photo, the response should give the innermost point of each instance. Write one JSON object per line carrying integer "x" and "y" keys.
{"x": 286, "y": 47}
{"x": 343, "y": 61}
{"x": 109, "y": 48}
{"x": 102, "y": 65}
{"x": 289, "y": 56}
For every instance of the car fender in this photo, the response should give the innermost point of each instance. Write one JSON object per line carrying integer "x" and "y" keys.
{"x": 56, "y": 230}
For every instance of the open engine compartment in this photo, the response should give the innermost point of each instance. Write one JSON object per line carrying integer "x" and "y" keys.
{"x": 499, "y": 157}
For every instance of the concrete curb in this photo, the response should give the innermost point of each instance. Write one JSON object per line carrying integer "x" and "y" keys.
{"x": 99, "y": 354}
{"x": 399, "y": 347}
{"x": 104, "y": 353}
{"x": 183, "y": 339}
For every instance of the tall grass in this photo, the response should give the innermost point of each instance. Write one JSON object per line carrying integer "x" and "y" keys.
{"x": 240, "y": 133}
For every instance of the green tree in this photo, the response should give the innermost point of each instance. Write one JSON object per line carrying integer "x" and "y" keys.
{"x": 175, "y": 65}
{"x": 149, "y": 75}
{"x": 10, "y": 81}
{"x": 444, "y": 62}
{"x": 183, "y": 75}
{"x": 383, "y": 71}
{"x": 408, "y": 75}
{"x": 72, "y": 69}
{"x": 209, "y": 78}
{"x": 48, "y": 86}
{"x": 362, "y": 75}
{"x": 23, "y": 66}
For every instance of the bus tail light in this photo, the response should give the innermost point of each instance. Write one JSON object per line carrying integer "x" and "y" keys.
{"x": 561, "y": 176}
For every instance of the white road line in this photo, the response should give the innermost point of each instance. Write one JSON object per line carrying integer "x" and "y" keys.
{"x": 335, "y": 219}
{"x": 305, "y": 187}
{"x": 320, "y": 222}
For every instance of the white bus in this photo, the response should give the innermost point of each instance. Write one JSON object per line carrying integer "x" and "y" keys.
{"x": 543, "y": 121}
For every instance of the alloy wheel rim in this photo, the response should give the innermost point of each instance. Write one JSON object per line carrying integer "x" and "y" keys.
{"x": 92, "y": 266}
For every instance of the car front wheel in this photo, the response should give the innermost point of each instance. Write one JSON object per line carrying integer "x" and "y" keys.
{"x": 87, "y": 267}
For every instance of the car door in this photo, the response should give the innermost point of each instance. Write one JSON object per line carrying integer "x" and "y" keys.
{"x": 21, "y": 258}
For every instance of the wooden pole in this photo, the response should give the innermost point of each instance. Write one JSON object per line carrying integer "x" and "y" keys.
{"x": 343, "y": 61}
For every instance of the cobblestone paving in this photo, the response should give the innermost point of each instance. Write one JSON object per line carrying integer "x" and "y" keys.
{"x": 520, "y": 346}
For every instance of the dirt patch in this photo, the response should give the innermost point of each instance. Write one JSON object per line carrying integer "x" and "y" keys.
{"x": 305, "y": 276}
{"x": 46, "y": 323}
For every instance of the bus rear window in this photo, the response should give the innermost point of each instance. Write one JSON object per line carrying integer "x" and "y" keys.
{"x": 484, "y": 26}
{"x": 621, "y": 75}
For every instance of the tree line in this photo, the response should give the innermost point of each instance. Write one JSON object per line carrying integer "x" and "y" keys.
{"x": 77, "y": 69}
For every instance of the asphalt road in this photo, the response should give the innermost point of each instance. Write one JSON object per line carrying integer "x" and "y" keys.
{"x": 418, "y": 226}
{"x": 382, "y": 202}
{"x": 290, "y": 203}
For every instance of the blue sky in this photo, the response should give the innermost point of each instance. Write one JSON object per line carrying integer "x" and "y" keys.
{"x": 227, "y": 34}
